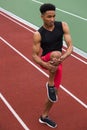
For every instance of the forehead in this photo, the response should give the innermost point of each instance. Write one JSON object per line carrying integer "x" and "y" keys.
{"x": 50, "y": 12}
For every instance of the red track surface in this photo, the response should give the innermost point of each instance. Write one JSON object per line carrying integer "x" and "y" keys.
{"x": 23, "y": 86}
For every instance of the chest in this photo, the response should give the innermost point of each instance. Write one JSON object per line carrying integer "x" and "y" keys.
{"x": 51, "y": 36}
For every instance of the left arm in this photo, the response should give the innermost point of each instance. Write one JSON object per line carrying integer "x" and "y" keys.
{"x": 68, "y": 40}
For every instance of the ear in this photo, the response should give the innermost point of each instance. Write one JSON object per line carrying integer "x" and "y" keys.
{"x": 41, "y": 15}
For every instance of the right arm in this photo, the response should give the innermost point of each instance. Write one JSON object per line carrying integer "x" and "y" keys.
{"x": 36, "y": 50}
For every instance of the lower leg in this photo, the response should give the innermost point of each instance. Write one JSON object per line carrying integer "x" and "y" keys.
{"x": 45, "y": 118}
{"x": 48, "y": 106}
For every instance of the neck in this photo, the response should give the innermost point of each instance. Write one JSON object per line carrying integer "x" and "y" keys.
{"x": 50, "y": 28}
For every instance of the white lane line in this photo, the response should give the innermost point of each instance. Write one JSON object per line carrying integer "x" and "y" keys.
{"x": 62, "y": 87}
{"x": 73, "y": 96}
{"x": 17, "y": 23}
{"x": 77, "y": 16}
{"x": 13, "y": 112}
{"x": 83, "y": 54}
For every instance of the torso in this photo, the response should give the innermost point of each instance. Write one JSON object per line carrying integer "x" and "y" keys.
{"x": 51, "y": 40}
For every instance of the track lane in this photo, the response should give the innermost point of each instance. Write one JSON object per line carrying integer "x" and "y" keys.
{"x": 24, "y": 93}
{"x": 7, "y": 119}
{"x": 27, "y": 97}
{"x": 25, "y": 46}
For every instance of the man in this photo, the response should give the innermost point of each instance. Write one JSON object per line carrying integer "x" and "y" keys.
{"x": 49, "y": 38}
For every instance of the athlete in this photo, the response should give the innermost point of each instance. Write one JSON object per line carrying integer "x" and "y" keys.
{"x": 49, "y": 39}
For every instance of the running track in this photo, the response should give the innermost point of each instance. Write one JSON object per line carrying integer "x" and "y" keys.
{"x": 22, "y": 91}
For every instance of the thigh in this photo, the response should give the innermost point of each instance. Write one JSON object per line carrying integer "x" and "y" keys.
{"x": 46, "y": 57}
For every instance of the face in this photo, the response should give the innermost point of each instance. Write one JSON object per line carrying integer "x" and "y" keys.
{"x": 48, "y": 18}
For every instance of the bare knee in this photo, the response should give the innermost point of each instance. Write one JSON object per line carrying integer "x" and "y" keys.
{"x": 55, "y": 54}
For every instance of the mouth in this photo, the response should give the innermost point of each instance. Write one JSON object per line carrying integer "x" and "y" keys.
{"x": 51, "y": 23}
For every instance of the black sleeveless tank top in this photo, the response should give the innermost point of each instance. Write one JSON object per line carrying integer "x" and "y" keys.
{"x": 51, "y": 40}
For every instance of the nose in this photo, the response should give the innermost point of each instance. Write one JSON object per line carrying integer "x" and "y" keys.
{"x": 52, "y": 19}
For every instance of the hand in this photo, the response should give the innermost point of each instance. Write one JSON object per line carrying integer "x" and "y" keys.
{"x": 51, "y": 67}
{"x": 55, "y": 61}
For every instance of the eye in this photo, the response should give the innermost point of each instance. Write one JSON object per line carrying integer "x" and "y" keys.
{"x": 54, "y": 16}
{"x": 51, "y": 16}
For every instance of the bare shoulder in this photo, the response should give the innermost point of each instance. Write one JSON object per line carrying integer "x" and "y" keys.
{"x": 64, "y": 24}
{"x": 37, "y": 36}
{"x": 65, "y": 27}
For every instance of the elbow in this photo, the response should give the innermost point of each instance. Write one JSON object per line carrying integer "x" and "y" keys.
{"x": 70, "y": 51}
{"x": 35, "y": 57}
{"x": 71, "y": 48}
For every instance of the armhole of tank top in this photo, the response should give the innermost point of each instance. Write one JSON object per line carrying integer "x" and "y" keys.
{"x": 62, "y": 27}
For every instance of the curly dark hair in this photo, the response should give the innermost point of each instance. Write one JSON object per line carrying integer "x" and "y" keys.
{"x": 46, "y": 7}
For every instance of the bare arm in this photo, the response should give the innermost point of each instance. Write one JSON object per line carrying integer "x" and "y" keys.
{"x": 36, "y": 50}
{"x": 68, "y": 40}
